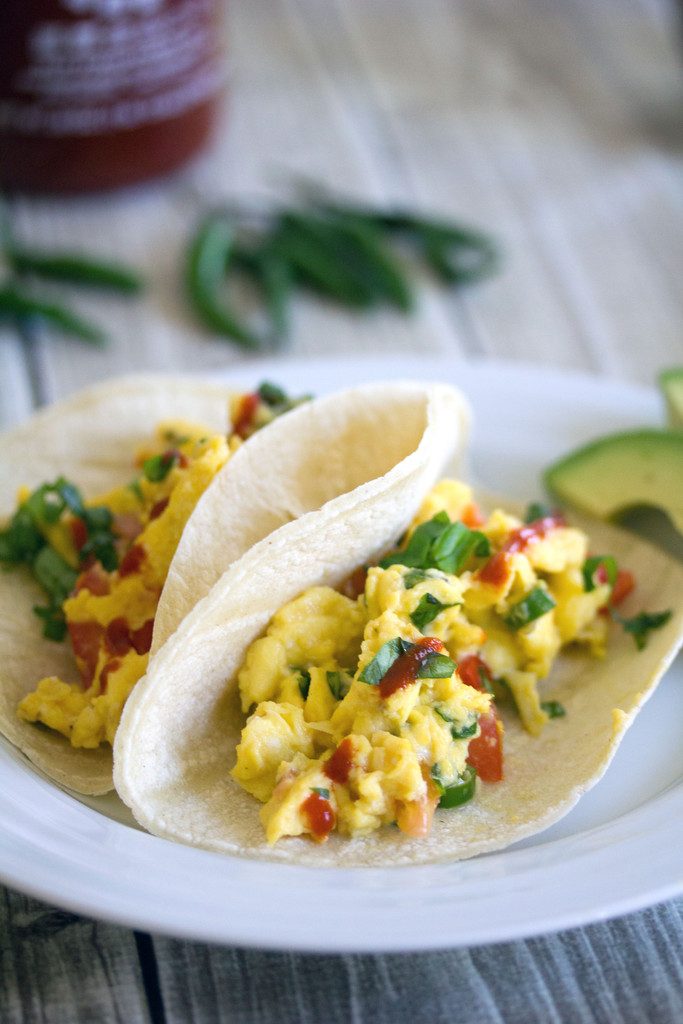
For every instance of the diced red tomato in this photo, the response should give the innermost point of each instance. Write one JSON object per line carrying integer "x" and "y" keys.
{"x": 110, "y": 667}
{"x": 132, "y": 561}
{"x": 354, "y": 585}
{"x": 415, "y": 817}
{"x": 158, "y": 508}
{"x": 624, "y": 584}
{"x": 485, "y": 752}
{"x": 472, "y": 517}
{"x": 79, "y": 532}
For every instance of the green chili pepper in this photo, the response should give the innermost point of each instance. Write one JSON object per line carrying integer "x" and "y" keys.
{"x": 17, "y": 305}
{"x": 457, "y": 793}
{"x": 273, "y": 276}
{"x": 362, "y": 247}
{"x": 75, "y": 268}
{"x": 208, "y": 257}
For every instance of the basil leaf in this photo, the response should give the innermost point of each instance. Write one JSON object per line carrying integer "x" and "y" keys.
{"x": 271, "y": 394}
{"x": 458, "y": 731}
{"x": 54, "y": 575}
{"x": 536, "y": 510}
{"x": 427, "y": 610}
{"x": 641, "y": 625}
{"x": 440, "y": 544}
{"x": 413, "y": 577}
{"x": 536, "y": 603}
{"x": 591, "y": 566}
{"x": 375, "y": 671}
{"x": 416, "y": 554}
{"x": 304, "y": 682}
{"x": 321, "y": 791}
{"x": 436, "y": 666}
{"x": 158, "y": 467}
{"x": 553, "y": 708}
{"x": 135, "y": 487}
{"x": 337, "y": 684}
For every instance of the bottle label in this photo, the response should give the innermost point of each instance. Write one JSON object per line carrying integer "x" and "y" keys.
{"x": 102, "y": 66}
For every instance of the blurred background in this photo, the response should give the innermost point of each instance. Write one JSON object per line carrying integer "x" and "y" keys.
{"x": 556, "y": 126}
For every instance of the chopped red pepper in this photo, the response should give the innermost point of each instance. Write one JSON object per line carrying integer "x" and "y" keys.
{"x": 247, "y": 411}
{"x": 95, "y": 579}
{"x": 132, "y": 560}
{"x": 141, "y": 639}
{"x": 406, "y": 669}
{"x": 158, "y": 508}
{"x": 86, "y": 638}
{"x": 117, "y": 636}
{"x": 79, "y": 532}
{"x": 320, "y": 816}
{"x": 624, "y": 584}
{"x": 111, "y": 666}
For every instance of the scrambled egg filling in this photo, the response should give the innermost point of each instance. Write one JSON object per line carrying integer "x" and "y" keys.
{"x": 352, "y": 722}
{"x": 110, "y": 615}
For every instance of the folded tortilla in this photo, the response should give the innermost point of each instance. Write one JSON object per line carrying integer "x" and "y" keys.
{"x": 177, "y": 740}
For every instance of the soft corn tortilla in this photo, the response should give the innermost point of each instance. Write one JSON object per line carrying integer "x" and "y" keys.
{"x": 90, "y": 439}
{"x": 177, "y": 741}
{"x": 312, "y": 455}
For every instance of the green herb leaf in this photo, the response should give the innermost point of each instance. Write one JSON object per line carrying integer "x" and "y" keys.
{"x": 135, "y": 487}
{"x": 412, "y": 578}
{"x": 553, "y": 708}
{"x": 304, "y": 682}
{"x": 22, "y": 540}
{"x": 271, "y": 394}
{"x": 440, "y": 544}
{"x": 159, "y": 466}
{"x": 641, "y": 625}
{"x": 339, "y": 686}
{"x": 536, "y": 603}
{"x": 375, "y": 671}
{"x": 591, "y": 566}
{"x": 536, "y": 510}
{"x": 321, "y": 791}
{"x": 437, "y": 666}
{"x": 427, "y": 610}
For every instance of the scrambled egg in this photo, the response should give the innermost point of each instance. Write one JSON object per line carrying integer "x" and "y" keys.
{"x": 351, "y": 727}
{"x": 110, "y": 616}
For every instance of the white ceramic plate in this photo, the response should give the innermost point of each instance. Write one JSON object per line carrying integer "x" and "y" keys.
{"x": 619, "y": 850}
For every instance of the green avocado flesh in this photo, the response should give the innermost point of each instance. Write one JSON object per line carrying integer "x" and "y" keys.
{"x": 623, "y": 471}
{"x": 671, "y": 383}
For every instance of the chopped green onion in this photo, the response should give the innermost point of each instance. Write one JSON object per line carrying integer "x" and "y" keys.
{"x": 271, "y": 394}
{"x": 641, "y": 625}
{"x": 54, "y": 575}
{"x": 458, "y": 731}
{"x": 427, "y": 610}
{"x": 135, "y": 487}
{"x": 536, "y": 603}
{"x": 553, "y": 708}
{"x": 591, "y": 566}
{"x": 22, "y": 540}
{"x": 54, "y": 622}
{"x": 457, "y": 793}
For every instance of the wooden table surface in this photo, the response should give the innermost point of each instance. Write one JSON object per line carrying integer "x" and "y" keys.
{"x": 555, "y": 124}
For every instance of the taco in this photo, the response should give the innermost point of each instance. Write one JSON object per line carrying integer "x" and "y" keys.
{"x": 96, "y": 492}
{"x": 349, "y": 684}
{"x": 101, "y": 535}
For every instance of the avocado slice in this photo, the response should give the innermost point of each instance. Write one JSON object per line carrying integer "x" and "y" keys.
{"x": 671, "y": 383}
{"x": 614, "y": 474}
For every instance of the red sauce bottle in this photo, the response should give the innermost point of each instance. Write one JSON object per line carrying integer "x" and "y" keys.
{"x": 97, "y": 94}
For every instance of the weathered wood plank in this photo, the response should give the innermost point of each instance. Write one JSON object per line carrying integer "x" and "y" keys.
{"x": 56, "y": 967}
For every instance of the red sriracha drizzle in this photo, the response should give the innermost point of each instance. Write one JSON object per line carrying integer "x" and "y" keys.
{"x": 406, "y": 669}
{"x": 319, "y": 815}
{"x": 485, "y": 752}
{"x": 338, "y": 768}
{"x": 497, "y": 568}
